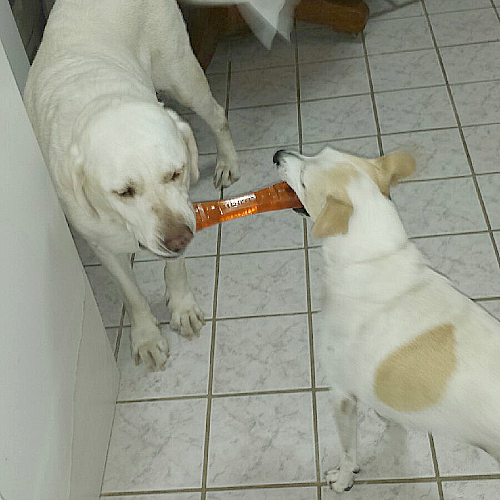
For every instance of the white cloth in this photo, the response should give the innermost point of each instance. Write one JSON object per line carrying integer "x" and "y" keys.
{"x": 265, "y": 17}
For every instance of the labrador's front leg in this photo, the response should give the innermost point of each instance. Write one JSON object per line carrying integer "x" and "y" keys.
{"x": 186, "y": 316}
{"x": 148, "y": 345}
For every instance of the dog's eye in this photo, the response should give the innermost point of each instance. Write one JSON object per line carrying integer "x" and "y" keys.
{"x": 175, "y": 175}
{"x": 126, "y": 193}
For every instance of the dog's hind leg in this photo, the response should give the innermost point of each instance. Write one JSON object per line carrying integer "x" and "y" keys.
{"x": 342, "y": 478}
{"x": 148, "y": 345}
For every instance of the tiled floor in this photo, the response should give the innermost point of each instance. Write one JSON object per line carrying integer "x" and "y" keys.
{"x": 243, "y": 411}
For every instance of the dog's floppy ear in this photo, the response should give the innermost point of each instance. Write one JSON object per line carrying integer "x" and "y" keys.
{"x": 334, "y": 217}
{"x": 192, "y": 150}
{"x": 78, "y": 181}
{"x": 391, "y": 168}
{"x": 188, "y": 136}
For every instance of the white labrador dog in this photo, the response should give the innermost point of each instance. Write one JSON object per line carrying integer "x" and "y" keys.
{"x": 394, "y": 333}
{"x": 120, "y": 161}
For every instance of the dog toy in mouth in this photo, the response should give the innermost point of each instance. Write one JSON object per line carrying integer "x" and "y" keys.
{"x": 276, "y": 197}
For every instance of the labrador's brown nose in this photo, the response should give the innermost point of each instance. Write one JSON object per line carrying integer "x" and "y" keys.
{"x": 178, "y": 238}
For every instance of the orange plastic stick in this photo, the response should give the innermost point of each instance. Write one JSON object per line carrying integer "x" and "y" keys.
{"x": 276, "y": 197}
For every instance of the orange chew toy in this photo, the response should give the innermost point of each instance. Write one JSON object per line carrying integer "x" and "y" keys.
{"x": 276, "y": 197}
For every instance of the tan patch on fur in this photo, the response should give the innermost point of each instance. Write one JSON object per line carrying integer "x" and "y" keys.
{"x": 335, "y": 214}
{"x": 414, "y": 377}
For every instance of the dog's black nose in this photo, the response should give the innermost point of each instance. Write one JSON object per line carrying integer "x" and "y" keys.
{"x": 277, "y": 156}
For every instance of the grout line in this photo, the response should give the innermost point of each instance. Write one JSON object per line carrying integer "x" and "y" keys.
{"x": 462, "y": 136}
{"x": 122, "y": 318}
{"x": 496, "y": 9}
{"x": 415, "y": 480}
{"x": 297, "y": 84}
{"x": 214, "y": 328}
{"x": 436, "y": 466}
{"x": 308, "y": 292}
{"x": 298, "y": 390}
{"x": 312, "y": 362}
{"x": 372, "y": 97}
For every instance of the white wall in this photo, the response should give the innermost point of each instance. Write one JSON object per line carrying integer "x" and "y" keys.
{"x": 58, "y": 379}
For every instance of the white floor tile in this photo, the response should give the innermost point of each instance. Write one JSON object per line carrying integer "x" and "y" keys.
{"x": 165, "y": 496}
{"x": 86, "y": 254}
{"x": 477, "y": 103}
{"x": 316, "y": 277}
{"x": 492, "y": 306}
{"x": 418, "y": 491}
{"x": 248, "y": 53}
{"x": 201, "y": 276}
{"x": 261, "y": 354}
{"x": 456, "y": 458}
{"x": 484, "y": 147}
{"x": 471, "y": 490}
{"x": 339, "y": 118}
{"x": 467, "y": 260}
{"x": 438, "y": 153}
{"x": 107, "y": 295}
{"x": 416, "y": 109}
{"x": 362, "y": 146}
{"x": 489, "y": 186}
{"x": 263, "y": 86}
{"x": 219, "y": 61}
{"x": 186, "y": 371}
{"x": 333, "y": 78}
{"x": 472, "y": 63}
{"x": 436, "y": 6}
{"x": 264, "y": 126}
{"x": 262, "y": 283}
{"x": 303, "y": 493}
{"x": 395, "y": 35}
{"x": 405, "y": 70}
{"x": 112, "y": 334}
{"x": 317, "y": 43}
{"x": 439, "y": 207}
{"x": 261, "y": 440}
{"x": 205, "y": 140}
{"x": 465, "y": 27}
{"x": 257, "y": 170}
{"x": 204, "y": 188}
{"x": 267, "y": 231}
{"x": 384, "y": 9}
{"x": 385, "y": 451}
{"x": 156, "y": 446}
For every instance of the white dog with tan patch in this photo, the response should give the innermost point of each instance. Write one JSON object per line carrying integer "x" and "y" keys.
{"x": 394, "y": 333}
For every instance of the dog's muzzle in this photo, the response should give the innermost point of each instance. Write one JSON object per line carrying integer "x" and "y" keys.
{"x": 277, "y": 158}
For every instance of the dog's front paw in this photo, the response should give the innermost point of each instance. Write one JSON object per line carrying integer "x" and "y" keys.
{"x": 226, "y": 173}
{"x": 342, "y": 478}
{"x": 149, "y": 347}
{"x": 185, "y": 315}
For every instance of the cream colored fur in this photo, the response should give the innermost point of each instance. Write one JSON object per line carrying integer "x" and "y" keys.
{"x": 121, "y": 162}
{"x": 394, "y": 333}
